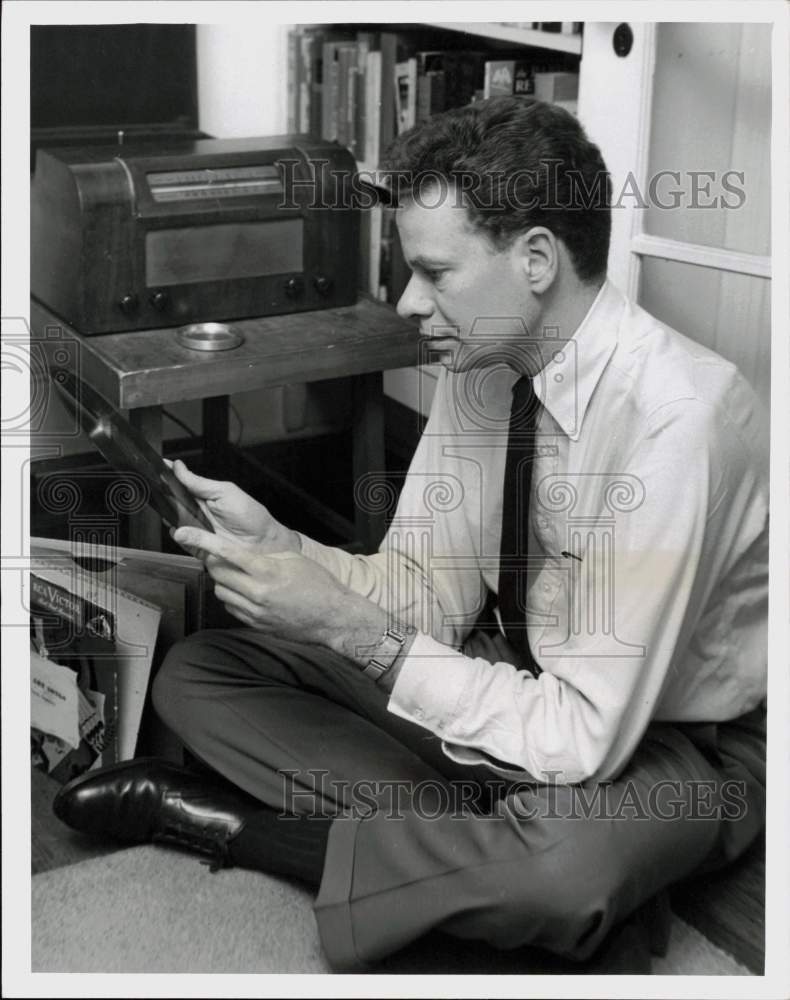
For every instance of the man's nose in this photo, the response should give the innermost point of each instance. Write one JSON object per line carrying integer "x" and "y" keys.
{"x": 415, "y": 303}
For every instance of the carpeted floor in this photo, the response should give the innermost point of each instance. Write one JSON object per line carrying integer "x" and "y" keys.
{"x": 153, "y": 909}
{"x": 149, "y": 909}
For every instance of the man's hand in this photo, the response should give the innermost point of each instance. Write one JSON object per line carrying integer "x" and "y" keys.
{"x": 284, "y": 594}
{"x": 492, "y": 647}
{"x": 235, "y": 515}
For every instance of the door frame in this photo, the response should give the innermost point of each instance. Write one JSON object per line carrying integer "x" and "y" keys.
{"x": 615, "y": 107}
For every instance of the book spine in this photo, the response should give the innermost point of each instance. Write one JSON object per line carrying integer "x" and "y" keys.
{"x": 411, "y": 105}
{"x": 326, "y": 72}
{"x": 365, "y": 239}
{"x": 360, "y": 107}
{"x": 372, "y": 111}
{"x": 389, "y": 48}
{"x": 437, "y": 100}
{"x": 316, "y": 83}
{"x": 523, "y": 80}
{"x": 498, "y": 77}
{"x": 423, "y": 98}
{"x": 294, "y": 40}
{"x": 340, "y": 109}
{"x": 385, "y": 262}
{"x": 401, "y": 95}
{"x": 406, "y": 93}
{"x": 305, "y": 82}
{"x": 464, "y": 74}
{"x": 334, "y": 92}
{"x": 366, "y": 41}
{"x": 374, "y": 256}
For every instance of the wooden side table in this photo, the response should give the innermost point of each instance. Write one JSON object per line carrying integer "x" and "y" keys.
{"x": 143, "y": 370}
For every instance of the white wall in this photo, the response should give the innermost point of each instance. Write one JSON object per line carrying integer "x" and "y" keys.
{"x": 241, "y": 78}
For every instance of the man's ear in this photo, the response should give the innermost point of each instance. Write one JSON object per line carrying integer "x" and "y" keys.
{"x": 539, "y": 258}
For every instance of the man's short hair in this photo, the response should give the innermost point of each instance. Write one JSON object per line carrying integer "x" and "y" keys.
{"x": 513, "y": 163}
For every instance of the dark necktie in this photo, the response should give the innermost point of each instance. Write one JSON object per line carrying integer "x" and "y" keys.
{"x": 512, "y": 592}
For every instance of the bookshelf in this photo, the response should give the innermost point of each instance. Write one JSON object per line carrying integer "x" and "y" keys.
{"x": 535, "y": 37}
{"x": 363, "y": 84}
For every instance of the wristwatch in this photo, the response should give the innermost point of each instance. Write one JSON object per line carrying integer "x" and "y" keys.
{"x": 387, "y": 651}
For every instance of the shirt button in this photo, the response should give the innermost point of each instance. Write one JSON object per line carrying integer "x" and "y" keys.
{"x": 543, "y": 522}
{"x": 419, "y": 714}
{"x": 546, "y": 588}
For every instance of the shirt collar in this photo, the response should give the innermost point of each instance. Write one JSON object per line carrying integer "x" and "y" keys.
{"x": 566, "y": 384}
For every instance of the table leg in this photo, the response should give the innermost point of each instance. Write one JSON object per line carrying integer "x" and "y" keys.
{"x": 368, "y": 456}
{"x": 216, "y": 424}
{"x": 145, "y": 527}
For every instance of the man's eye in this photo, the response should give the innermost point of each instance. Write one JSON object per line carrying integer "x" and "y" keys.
{"x": 435, "y": 274}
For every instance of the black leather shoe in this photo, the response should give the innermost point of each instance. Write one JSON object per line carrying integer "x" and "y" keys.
{"x": 152, "y": 801}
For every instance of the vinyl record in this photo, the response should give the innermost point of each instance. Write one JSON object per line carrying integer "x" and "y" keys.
{"x": 127, "y": 451}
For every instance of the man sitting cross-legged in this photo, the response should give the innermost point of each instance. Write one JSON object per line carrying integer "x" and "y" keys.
{"x": 541, "y": 702}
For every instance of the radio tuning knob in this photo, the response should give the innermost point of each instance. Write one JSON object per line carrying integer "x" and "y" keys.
{"x": 294, "y": 287}
{"x": 160, "y": 301}
{"x": 322, "y": 284}
{"x": 129, "y": 304}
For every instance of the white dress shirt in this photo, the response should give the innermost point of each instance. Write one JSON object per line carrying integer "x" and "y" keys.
{"x": 648, "y": 581}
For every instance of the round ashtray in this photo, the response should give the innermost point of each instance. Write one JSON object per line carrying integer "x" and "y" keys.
{"x": 209, "y": 337}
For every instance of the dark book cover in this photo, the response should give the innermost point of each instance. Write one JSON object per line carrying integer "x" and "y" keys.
{"x": 294, "y": 77}
{"x": 316, "y": 56}
{"x": 389, "y": 54}
{"x": 346, "y": 59}
{"x": 464, "y": 73}
{"x": 523, "y": 79}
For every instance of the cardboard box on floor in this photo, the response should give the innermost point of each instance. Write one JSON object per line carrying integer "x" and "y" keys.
{"x": 143, "y": 586}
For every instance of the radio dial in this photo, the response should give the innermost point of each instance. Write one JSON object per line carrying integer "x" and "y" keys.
{"x": 294, "y": 287}
{"x": 160, "y": 301}
{"x": 322, "y": 284}
{"x": 129, "y": 304}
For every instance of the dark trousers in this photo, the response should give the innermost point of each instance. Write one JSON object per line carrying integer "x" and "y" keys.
{"x": 420, "y": 842}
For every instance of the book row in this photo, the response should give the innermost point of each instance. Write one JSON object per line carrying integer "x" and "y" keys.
{"x": 362, "y": 90}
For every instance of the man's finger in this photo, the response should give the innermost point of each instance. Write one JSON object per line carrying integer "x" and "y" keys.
{"x": 240, "y": 556}
{"x": 233, "y": 579}
{"x": 204, "y": 489}
{"x": 237, "y": 603}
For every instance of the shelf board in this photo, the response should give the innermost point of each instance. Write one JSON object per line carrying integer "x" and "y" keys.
{"x": 518, "y": 36}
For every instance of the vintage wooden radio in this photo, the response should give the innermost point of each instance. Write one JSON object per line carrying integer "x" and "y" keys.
{"x": 133, "y": 237}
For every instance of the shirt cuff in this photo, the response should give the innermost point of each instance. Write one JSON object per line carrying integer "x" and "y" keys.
{"x": 468, "y": 755}
{"x": 431, "y": 690}
{"x": 416, "y": 696}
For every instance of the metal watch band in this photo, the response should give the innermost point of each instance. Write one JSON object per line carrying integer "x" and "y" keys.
{"x": 376, "y": 670}
{"x": 386, "y": 652}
